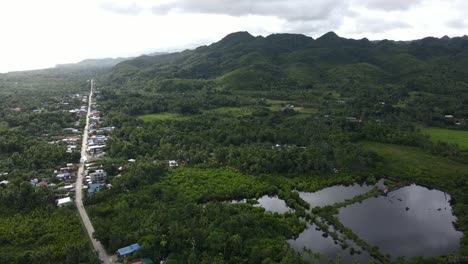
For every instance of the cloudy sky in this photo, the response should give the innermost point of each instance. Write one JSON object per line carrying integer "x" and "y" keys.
{"x": 38, "y": 34}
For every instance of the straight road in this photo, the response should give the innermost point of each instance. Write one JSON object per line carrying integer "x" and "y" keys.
{"x": 79, "y": 189}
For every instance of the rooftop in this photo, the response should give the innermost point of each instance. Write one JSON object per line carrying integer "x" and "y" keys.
{"x": 129, "y": 249}
{"x": 64, "y": 201}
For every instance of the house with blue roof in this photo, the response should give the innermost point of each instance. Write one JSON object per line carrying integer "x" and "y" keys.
{"x": 94, "y": 187}
{"x": 128, "y": 250}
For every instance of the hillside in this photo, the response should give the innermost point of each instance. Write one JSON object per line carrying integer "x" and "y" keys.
{"x": 407, "y": 76}
{"x": 399, "y": 61}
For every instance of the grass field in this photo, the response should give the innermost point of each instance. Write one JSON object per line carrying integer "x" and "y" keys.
{"x": 161, "y": 116}
{"x": 447, "y": 135}
{"x": 278, "y": 105}
{"x": 235, "y": 111}
{"x": 272, "y": 101}
{"x": 411, "y": 162}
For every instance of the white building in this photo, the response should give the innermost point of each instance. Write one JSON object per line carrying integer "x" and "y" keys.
{"x": 96, "y": 149}
{"x": 98, "y": 175}
{"x": 173, "y": 164}
{"x": 64, "y": 201}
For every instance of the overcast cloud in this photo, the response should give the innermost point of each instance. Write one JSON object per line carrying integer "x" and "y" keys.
{"x": 389, "y": 5}
{"x": 289, "y": 10}
{"x": 38, "y": 34}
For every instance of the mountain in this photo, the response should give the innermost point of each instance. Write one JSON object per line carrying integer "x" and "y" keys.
{"x": 106, "y": 62}
{"x": 285, "y": 61}
{"x": 157, "y": 53}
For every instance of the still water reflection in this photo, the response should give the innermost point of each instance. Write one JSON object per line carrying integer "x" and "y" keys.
{"x": 312, "y": 239}
{"x": 334, "y": 194}
{"x": 273, "y": 204}
{"x": 411, "y": 221}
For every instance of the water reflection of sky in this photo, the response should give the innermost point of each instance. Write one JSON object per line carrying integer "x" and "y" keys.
{"x": 422, "y": 230}
{"x": 313, "y": 240}
{"x": 273, "y": 204}
{"x": 335, "y": 194}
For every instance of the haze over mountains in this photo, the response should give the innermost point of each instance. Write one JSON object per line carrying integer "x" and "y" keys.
{"x": 104, "y": 63}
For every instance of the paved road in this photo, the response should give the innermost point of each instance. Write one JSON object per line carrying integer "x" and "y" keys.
{"x": 79, "y": 192}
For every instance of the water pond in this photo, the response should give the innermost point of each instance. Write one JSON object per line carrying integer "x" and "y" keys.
{"x": 334, "y": 194}
{"x": 411, "y": 221}
{"x": 273, "y": 204}
{"x": 313, "y": 240}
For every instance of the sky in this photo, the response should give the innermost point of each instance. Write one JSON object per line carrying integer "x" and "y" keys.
{"x": 40, "y": 34}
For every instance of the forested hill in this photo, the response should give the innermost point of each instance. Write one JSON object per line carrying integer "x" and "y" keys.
{"x": 242, "y": 61}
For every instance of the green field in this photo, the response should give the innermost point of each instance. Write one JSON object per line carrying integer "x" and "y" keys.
{"x": 450, "y": 136}
{"x": 161, "y": 117}
{"x": 413, "y": 163}
{"x": 272, "y": 101}
{"x": 235, "y": 111}
{"x": 278, "y": 105}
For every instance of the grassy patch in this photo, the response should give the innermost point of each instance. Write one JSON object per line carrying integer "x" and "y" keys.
{"x": 306, "y": 110}
{"x": 413, "y": 163}
{"x": 161, "y": 116}
{"x": 272, "y": 101}
{"x": 447, "y": 135}
{"x": 235, "y": 111}
{"x": 278, "y": 105}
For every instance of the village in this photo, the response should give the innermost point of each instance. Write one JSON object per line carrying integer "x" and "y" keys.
{"x": 63, "y": 179}
{"x": 94, "y": 177}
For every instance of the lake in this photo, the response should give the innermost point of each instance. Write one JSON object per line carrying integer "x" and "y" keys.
{"x": 411, "y": 221}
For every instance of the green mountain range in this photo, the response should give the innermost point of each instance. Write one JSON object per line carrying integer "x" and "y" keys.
{"x": 242, "y": 61}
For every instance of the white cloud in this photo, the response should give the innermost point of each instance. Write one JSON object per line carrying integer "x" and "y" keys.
{"x": 43, "y": 33}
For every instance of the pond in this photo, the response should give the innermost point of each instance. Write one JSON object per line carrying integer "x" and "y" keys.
{"x": 273, "y": 204}
{"x": 270, "y": 203}
{"x": 313, "y": 240}
{"x": 334, "y": 194}
{"x": 411, "y": 221}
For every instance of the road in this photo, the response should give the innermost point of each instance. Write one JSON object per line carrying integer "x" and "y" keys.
{"x": 105, "y": 258}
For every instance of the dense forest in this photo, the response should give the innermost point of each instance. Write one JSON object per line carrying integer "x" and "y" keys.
{"x": 243, "y": 117}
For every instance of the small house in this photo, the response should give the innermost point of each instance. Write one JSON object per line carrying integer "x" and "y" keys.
{"x": 94, "y": 187}
{"x": 95, "y": 149}
{"x": 173, "y": 164}
{"x": 64, "y": 201}
{"x": 142, "y": 261}
{"x": 4, "y": 182}
{"x": 128, "y": 250}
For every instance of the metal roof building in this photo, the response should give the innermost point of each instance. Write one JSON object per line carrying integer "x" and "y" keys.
{"x": 129, "y": 249}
